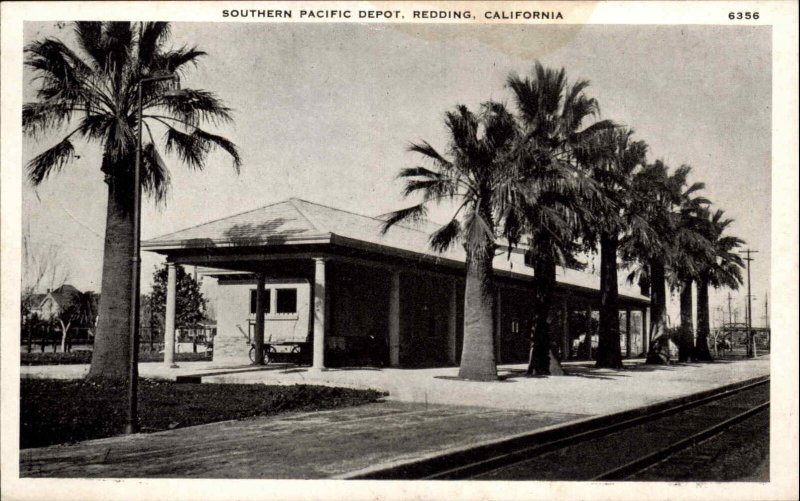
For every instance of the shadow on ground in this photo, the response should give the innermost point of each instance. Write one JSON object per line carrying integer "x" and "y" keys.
{"x": 589, "y": 371}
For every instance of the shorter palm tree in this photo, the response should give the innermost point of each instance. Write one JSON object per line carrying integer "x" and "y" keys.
{"x": 469, "y": 178}
{"x": 654, "y": 255}
{"x": 723, "y": 270}
{"x": 613, "y": 165}
{"x": 690, "y": 251}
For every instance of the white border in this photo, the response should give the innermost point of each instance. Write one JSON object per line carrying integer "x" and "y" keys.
{"x": 782, "y": 16}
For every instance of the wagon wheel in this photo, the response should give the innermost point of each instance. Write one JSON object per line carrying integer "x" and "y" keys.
{"x": 296, "y": 354}
{"x": 269, "y": 354}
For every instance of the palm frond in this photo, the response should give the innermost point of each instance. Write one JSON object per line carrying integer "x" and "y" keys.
{"x": 60, "y": 71}
{"x": 222, "y": 143}
{"x": 192, "y": 106}
{"x": 175, "y": 60}
{"x": 117, "y": 40}
{"x": 413, "y": 214}
{"x": 479, "y": 235}
{"x": 155, "y": 174}
{"x": 425, "y": 149}
{"x": 39, "y": 116}
{"x": 52, "y": 160}
{"x": 419, "y": 172}
{"x": 95, "y": 127}
{"x": 431, "y": 188}
{"x": 152, "y": 37}
{"x": 188, "y": 147}
{"x": 89, "y": 35}
{"x": 444, "y": 238}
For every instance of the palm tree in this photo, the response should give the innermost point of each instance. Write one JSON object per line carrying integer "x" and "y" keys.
{"x": 469, "y": 177}
{"x": 91, "y": 92}
{"x": 559, "y": 196}
{"x": 690, "y": 250}
{"x": 618, "y": 156}
{"x": 724, "y": 270}
{"x": 658, "y": 196}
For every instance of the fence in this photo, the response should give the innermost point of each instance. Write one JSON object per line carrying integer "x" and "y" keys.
{"x": 48, "y": 338}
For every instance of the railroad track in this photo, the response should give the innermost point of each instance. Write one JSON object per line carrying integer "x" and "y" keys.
{"x": 604, "y": 449}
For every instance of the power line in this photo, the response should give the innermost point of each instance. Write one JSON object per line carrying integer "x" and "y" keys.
{"x": 50, "y": 244}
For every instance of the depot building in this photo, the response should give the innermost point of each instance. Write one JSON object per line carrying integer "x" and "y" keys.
{"x": 333, "y": 284}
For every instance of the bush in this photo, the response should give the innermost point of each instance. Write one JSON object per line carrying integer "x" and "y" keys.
{"x": 68, "y": 358}
{"x": 85, "y": 357}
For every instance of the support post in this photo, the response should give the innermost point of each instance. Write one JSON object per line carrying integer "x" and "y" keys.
{"x": 565, "y": 348}
{"x": 645, "y": 334}
{"x": 169, "y": 317}
{"x": 258, "y": 338}
{"x": 394, "y": 320}
{"x": 588, "y": 338}
{"x": 320, "y": 313}
{"x": 273, "y": 302}
{"x": 628, "y": 333}
{"x": 498, "y": 326}
{"x": 452, "y": 324}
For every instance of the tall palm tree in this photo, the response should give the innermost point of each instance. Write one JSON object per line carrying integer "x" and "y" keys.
{"x": 723, "y": 270}
{"x": 90, "y": 91}
{"x": 617, "y": 158}
{"x": 469, "y": 176}
{"x": 560, "y": 197}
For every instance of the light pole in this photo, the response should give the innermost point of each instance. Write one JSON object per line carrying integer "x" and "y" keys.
{"x": 132, "y": 423}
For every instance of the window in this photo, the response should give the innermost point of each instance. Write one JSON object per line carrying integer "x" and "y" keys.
{"x": 287, "y": 301}
{"x": 253, "y": 301}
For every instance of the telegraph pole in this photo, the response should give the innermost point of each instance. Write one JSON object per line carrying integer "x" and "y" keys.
{"x": 751, "y": 341}
{"x": 730, "y": 311}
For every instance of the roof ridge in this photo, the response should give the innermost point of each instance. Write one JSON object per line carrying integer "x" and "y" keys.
{"x": 217, "y": 220}
{"x": 293, "y": 201}
{"x": 363, "y": 215}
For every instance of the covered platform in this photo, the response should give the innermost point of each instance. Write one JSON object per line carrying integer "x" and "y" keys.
{"x": 331, "y": 280}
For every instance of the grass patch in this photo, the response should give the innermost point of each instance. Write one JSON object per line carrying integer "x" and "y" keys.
{"x": 61, "y": 411}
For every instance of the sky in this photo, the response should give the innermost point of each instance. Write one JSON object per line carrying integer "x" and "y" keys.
{"x": 325, "y": 112}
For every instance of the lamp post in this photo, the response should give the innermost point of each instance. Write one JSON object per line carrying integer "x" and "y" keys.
{"x": 132, "y": 423}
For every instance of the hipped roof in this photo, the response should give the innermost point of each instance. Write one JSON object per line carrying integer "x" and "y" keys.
{"x": 296, "y": 221}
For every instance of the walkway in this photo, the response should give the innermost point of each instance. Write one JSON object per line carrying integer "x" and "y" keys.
{"x": 427, "y": 413}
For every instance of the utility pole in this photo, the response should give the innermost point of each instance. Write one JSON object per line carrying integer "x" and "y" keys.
{"x": 751, "y": 344}
{"x": 730, "y": 311}
{"x": 766, "y": 310}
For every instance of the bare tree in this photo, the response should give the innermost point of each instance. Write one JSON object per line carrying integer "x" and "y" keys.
{"x": 43, "y": 267}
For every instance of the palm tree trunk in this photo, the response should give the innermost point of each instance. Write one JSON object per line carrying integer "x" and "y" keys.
{"x": 478, "y": 350}
{"x": 686, "y": 336}
{"x": 702, "y": 351}
{"x": 111, "y": 354}
{"x": 658, "y": 299}
{"x": 658, "y": 312}
{"x": 542, "y": 359}
{"x": 608, "y": 350}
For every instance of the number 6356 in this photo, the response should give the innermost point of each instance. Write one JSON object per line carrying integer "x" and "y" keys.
{"x": 742, "y": 15}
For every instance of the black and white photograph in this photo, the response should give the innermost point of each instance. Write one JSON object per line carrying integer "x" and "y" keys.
{"x": 491, "y": 250}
